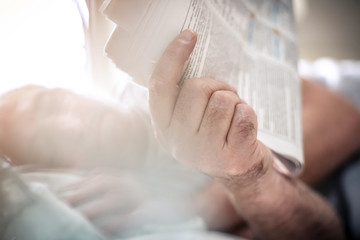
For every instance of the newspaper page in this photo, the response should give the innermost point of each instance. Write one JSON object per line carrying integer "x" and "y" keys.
{"x": 251, "y": 45}
{"x": 143, "y": 30}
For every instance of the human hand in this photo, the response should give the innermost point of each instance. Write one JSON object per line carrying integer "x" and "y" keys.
{"x": 106, "y": 198}
{"x": 119, "y": 204}
{"x": 204, "y": 123}
{"x": 58, "y": 128}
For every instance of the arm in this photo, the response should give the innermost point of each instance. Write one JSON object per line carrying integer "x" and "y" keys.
{"x": 33, "y": 118}
{"x": 215, "y": 208}
{"x": 276, "y": 207}
{"x": 331, "y": 129}
{"x": 331, "y": 133}
{"x": 219, "y": 139}
{"x": 57, "y": 128}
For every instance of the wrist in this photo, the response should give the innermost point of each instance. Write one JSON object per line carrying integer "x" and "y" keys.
{"x": 254, "y": 175}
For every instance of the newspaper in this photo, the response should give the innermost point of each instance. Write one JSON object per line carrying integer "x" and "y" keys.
{"x": 249, "y": 44}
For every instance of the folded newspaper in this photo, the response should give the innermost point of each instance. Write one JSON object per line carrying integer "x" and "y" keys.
{"x": 250, "y": 44}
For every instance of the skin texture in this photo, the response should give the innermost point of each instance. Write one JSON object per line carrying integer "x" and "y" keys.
{"x": 187, "y": 116}
{"x": 267, "y": 200}
{"x": 216, "y": 111}
{"x": 57, "y": 128}
{"x": 107, "y": 195}
{"x": 331, "y": 128}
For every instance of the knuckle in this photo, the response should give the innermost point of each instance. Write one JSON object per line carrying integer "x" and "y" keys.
{"x": 246, "y": 128}
{"x": 207, "y": 86}
{"x": 196, "y": 84}
{"x": 224, "y": 99}
{"x": 246, "y": 110}
{"x": 221, "y": 107}
{"x": 246, "y": 120}
{"x": 50, "y": 101}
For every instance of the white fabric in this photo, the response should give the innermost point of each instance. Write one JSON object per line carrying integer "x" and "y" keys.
{"x": 47, "y": 185}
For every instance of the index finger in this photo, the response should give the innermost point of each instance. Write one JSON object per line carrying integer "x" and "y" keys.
{"x": 164, "y": 83}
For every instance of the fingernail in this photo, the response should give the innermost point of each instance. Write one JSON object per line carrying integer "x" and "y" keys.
{"x": 187, "y": 35}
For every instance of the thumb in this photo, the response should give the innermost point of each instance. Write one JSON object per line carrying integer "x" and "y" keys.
{"x": 164, "y": 83}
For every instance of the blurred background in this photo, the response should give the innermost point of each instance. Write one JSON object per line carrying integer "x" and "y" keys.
{"x": 43, "y": 40}
{"x": 328, "y": 28}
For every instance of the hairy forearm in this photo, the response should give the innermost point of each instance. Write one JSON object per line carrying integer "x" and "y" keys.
{"x": 57, "y": 128}
{"x": 278, "y": 207}
{"x": 331, "y": 133}
{"x": 215, "y": 208}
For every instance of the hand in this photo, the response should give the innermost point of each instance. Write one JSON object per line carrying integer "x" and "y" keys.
{"x": 106, "y": 198}
{"x": 204, "y": 123}
{"x": 58, "y": 128}
{"x": 118, "y": 203}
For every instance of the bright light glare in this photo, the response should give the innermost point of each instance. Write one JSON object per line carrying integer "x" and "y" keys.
{"x": 43, "y": 44}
